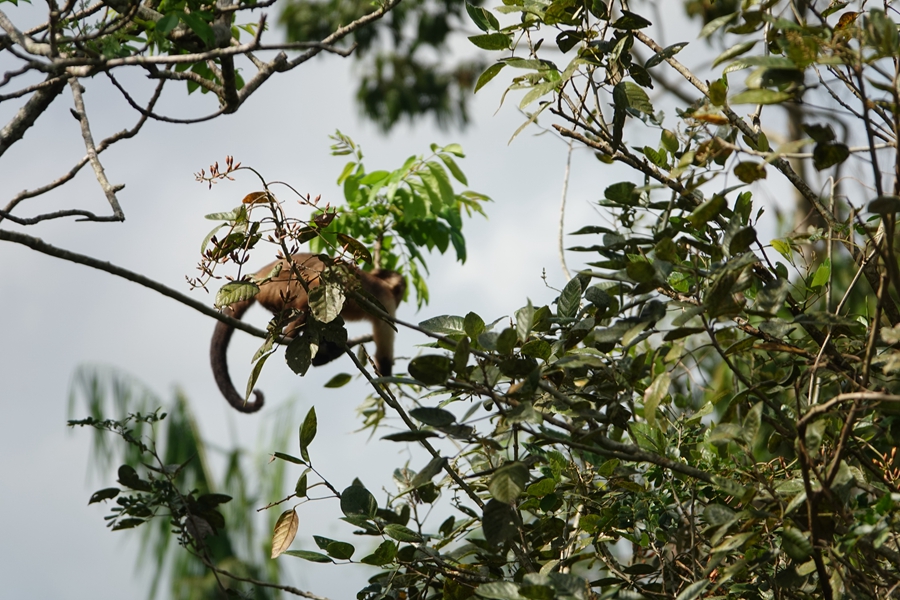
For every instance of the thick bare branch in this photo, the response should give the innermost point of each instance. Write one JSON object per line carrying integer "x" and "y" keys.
{"x": 28, "y": 114}
{"x": 23, "y": 40}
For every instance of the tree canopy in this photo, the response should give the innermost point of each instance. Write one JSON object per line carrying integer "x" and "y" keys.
{"x": 706, "y": 409}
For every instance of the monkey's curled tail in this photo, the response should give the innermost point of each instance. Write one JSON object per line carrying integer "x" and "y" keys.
{"x": 218, "y": 351}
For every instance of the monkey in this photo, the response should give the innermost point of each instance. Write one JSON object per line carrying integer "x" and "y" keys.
{"x": 284, "y": 292}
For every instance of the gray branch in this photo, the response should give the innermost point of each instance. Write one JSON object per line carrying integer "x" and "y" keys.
{"x": 28, "y": 114}
{"x": 45, "y": 248}
{"x": 80, "y": 113}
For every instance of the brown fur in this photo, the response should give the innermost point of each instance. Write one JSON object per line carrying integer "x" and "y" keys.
{"x": 285, "y": 292}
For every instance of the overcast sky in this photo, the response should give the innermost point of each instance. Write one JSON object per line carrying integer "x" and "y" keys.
{"x": 58, "y": 316}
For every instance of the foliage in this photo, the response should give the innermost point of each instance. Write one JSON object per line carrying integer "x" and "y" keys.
{"x": 396, "y": 213}
{"x": 399, "y": 212}
{"x": 167, "y": 488}
{"x": 209, "y": 46}
{"x": 700, "y": 413}
{"x": 405, "y": 70}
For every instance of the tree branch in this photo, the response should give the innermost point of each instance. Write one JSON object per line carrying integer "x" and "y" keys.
{"x": 28, "y": 114}
{"x": 80, "y": 113}
{"x": 81, "y": 259}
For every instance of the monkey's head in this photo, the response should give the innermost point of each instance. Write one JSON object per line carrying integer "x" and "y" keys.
{"x": 394, "y": 281}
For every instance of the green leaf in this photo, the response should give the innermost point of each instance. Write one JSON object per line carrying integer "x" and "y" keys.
{"x": 167, "y": 23}
{"x": 537, "y": 349}
{"x": 707, "y": 211}
{"x": 569, "y": 300}
{"x": 340, "y": 550}
{"x": 308, "y": 431}
{"x": 357, "y": 500}
{"x": 716, "y": 24}
{"x": 827, "y": 155}
{"x": 301, "y": 486}
{"x": 682, "y": 332}
{"x": 627, "y": 94}
{"x": 310, "y": 556}
{"x": 402, "y": 534}
{"x": 104, "y": 494}
{"x": 741, "y": 240}
{"x": 783, "y": 248}
{"x": 819, "y": 133}
{"x": 796, "y": 544}
{"x": 833, "y": 8}
{"x": 654, "y": 393}
{"x": 235, "y": 291}
{"x": 669, "y": 140}
{"x": 288, "y": 458}
{"x": 733, "y": 52}
{"x": 423, "y": 477}
{"x": 454, "y": 169}
{"x": 410, "y": 436}
{"x": 541, "y": 488}
{"x": 822, "y": 275}
{"x": 200, "y": 27}
{"x": 430, "y": 369}
{"x": 254, "y": 375}
{"x": 500, "y": 590}
{"x": 735, "y": 542}
{"x": 640, "y": 271}
{"x": 326, "y": 301}
{"x": 693, "y": 591}
{"x": 750, "y": 171}
{"x": 770, "y": 299}
{"x": 482, "y": 18}
{"x": 436, "y": 417}
{"x": 524, "y": 319}
{"x": 473, "y": 325}
{"x": 657, "y": 157}
{"x": 762, "y": 96}
{"x": 492, "y": 41}
{"x": 445, "y": 188}
{"x": 508, "y": 482}
{"x": 599, "y": 9}
{"x": 339, "y": 380}
{"x": 385, "y": 553}
{"x": 885, "y": 205}
{"x": 461, "y": 356}
{"x": 718, "y": 514}
{"x": 718, "y": 92}
{"x": 488, "y": 74}
{"x": 445, "y": 325}
{"x": 454, "y": 149}
{"x": 506, "y": 341}
{"x": 541, "y": 89}
{"x": 751, "y": 422}
{"x": 667, "y": 53}
{"x": 728, "y": 486}
{"x": 298, "y": 355}
{"x": 498, "y": 522}
{"x": 127, "y": 524}
{"x": 630, "y": 21}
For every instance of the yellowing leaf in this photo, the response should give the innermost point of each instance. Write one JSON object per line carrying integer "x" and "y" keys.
{"x": 255, "y": 198}
{"x": 285, "y": 530}
{"x": 846, "y": 19}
